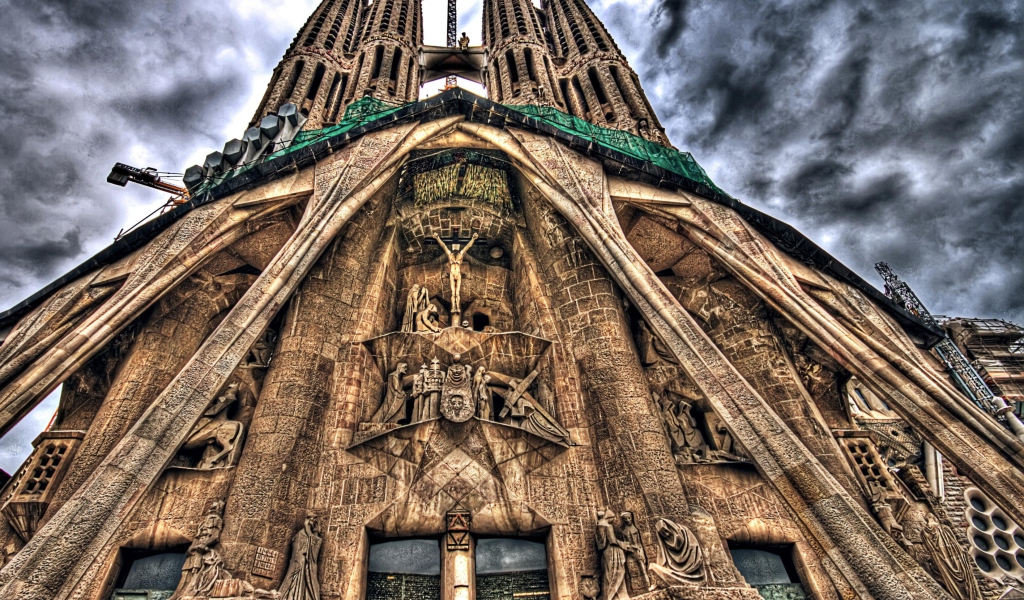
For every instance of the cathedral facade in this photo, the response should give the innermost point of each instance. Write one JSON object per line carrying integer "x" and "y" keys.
{"x": 475, "y": 349}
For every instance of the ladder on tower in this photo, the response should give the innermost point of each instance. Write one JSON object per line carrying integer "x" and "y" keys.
{"x": 961, "y": 370}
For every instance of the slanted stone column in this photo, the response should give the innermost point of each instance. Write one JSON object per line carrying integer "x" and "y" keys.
{"x": 177, "y": 326}
{"x": 276, "y": 474}
{"x": 636, "y": 468}
{"x": 738, "y": 323}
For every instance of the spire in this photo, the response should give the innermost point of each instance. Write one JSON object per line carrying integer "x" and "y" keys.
{"x": 386, "y": 66}
{"x": 594, "y": 77}
{"x": 520, "y": 69}
{"x": 318, "y": 66}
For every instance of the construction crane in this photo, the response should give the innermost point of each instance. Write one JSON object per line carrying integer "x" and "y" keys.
{"x": 453, "y": 24}
{"x": 963, "y": 373}
{"x": 121, "y": 174}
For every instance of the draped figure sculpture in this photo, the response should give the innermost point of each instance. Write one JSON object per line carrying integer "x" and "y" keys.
{"x": 393, "y": 407}
{"x": 455, "y": 273}
{"x": 680, "y": 560}
{"x": 950, "y": 560}
{"x": 613, "y": 560}
{"x": 302, "y": 581}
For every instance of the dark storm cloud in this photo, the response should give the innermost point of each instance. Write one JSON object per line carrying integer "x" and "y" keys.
{"x": 86, "y": 83}
{"x": 884, "y": 130}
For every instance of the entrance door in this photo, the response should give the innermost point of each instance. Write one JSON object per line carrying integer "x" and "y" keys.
{"x": 508, "y": 568}
{"x": 404, "y": 570}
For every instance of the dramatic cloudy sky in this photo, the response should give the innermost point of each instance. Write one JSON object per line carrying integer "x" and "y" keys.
{"x": 884, "y": 130}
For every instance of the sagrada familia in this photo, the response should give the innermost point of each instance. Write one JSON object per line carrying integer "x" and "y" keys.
{"x": 464, "y": 348}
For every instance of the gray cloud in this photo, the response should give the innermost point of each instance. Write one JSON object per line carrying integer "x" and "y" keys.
{"x": 884, "y": 131}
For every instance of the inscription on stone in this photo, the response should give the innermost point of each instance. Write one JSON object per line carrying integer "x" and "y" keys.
{"x": 265, "y": 562}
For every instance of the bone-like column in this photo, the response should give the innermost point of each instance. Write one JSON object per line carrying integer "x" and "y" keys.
{"x": 165, "y": 262}
{"x": 65, "y": 550}
{"x": 861, "y": 557}
{"x": 636, "y": 466}
{"x": 180, "y": 322}
{"x": 742, "y": 331}
{"x": 861, "y": 343}
{"x": 270, "y": 495}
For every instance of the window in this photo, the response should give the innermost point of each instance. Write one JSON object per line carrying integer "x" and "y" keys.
{"x": 769, "y": 569}
{"x": 294, "y": 81}
{"x": 148, "y": 570}
{"x": 404, "y": 570}
{"x": 511, "y": 568}
{"x": 997, "y": 542}
{"x": 480, "y": 321}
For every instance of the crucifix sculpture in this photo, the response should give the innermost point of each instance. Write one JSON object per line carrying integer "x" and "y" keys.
{"x": 455, "y": 273}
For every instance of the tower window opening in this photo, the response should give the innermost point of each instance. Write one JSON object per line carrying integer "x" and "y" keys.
{"x": 517, "y": 8}
{"x": 585, "y": 104}
{"x": 602, "y": 97}
{"x": 331, "y": 95}
{"x": 318, "y": 79}
{"x": 350, "y": 34}
{"x": 403, "y": 16}
{"x": 563, "y": 85}
{"x": 338, "y": 100}
{"x": 551, "y": 82}
{"x": 378, "y": 58}
{"x": 560, "y": 31}
{"x": 385, "y": 21}
{"x": 332, "y": 36}
{"x": 625, "y": 93}
{"x": 319, "y": 24}
{"x": 396, "y": 64}
{"x": 513, "y": 72}
{"x": 531, "y": 70}
{"x": 294, "y": 81}
{"x": 594, "y": 31}
{"x": 647, "y": 103}
{"x": 349, "y": 94}
{"x": 410, "y": 81}
{"x": 503, "y": 17}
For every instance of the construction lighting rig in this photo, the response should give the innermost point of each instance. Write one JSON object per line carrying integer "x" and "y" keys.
{"x": 121, "y": 174}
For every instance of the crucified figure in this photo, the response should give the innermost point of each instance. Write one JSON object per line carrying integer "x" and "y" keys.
{"x": 455, "y": 273}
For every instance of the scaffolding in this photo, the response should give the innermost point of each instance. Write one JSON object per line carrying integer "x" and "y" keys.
{"x": 964, "y": 374}
{"x": 995, "y": 348}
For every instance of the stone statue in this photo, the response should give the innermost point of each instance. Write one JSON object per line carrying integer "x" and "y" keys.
{"x": 261, "y": 352}
{"x": 418, "y": 382}
{"x": 455, "y": 273}
{"x": 680, "y": 560}
{"x": 433, "y": 381}
{"x": 589, "y": 587}
{"x": 950, "y": 560}
{"x": 457, "y": 398}
{"x": 887, "y": 519}
{"x": 216, "y": 434}
{"x": 427, "y": 320}
{"x": 211, "y": 571}
{"x": 613, "y": 560}
{"x": 634, "y": 546}
{"x": 651, "y": 348}
{"x": 302, "y": 581}
{"x": 196, "y": 578}
{"x": 688, "y": 444}
{"x": 415, "y": 303}
{"x": 393, "y": 407}
{"x": 482, "y": 393}
{"x": 464, "y": 42}
{"x": 531, "y": 416}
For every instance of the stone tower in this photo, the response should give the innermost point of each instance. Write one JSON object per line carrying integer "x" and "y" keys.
{"x": 470, "y": 349}
{"x": 594, "y": 78}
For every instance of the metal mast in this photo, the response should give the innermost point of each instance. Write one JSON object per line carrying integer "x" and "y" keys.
{"x": 453, "y": 24}
{"x": 966, "y": 378}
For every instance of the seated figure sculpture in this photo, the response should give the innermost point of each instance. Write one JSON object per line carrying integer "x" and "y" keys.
{"x": 680, "y": 560}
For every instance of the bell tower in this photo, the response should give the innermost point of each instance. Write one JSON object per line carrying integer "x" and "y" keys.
{"x": 386, "y": 67}
{"x": 594, "y": 77}
{"x": 520, "y": 69}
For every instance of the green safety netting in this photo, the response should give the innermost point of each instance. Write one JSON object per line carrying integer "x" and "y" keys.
{"x": 359, "y": 113}
{"x": 680, "y": 163}
{"x": 368, "y": 109}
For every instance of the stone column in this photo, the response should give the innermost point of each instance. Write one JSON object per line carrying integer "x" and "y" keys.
{"x": 177, "y": 326}
{"x": 738, "y": 323}
{"x": 635, "y": 464}
{"x": 281, "y": 462}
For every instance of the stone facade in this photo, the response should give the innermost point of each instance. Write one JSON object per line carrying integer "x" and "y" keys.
{"x": 448, "y": 330}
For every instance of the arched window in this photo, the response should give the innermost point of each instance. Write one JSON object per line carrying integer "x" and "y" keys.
{"x": 531, "y": 70}
{"x": 294, "y": 81}
{"x": 378, "y": 58}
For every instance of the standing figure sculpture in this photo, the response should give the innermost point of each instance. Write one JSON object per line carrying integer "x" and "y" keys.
{"x": 302, "y": 581}
{"x": 433, "y": 381}
{"x": 195, "y": 571}
{"x": 455, "y": 273}
{"x": 680, "y": 560}
{"x": 634, "y": 546}
{"x": 482, "y": 392}
{"x": 613, "y": 560}
{"x": 393, "y": 407}
{"x": 415, "y": 303}
{"x": 418, "y": 382}
{"x": 950, "y": 560}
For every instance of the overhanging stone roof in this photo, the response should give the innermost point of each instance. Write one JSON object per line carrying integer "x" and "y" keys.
{"x": 481, "y": 110}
